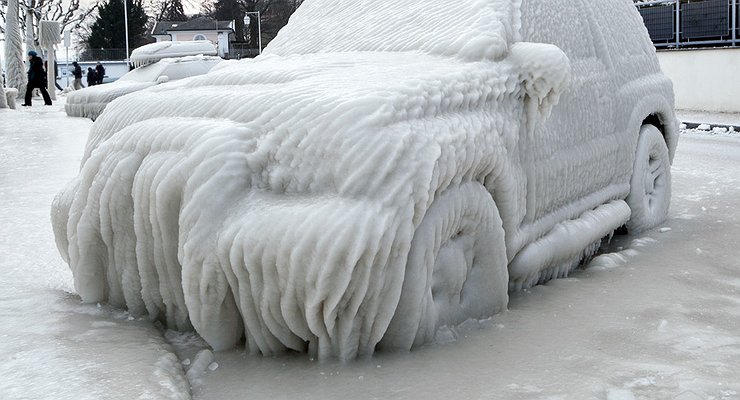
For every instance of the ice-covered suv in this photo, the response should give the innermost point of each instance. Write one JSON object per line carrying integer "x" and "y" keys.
{"x": 383, "y": 169}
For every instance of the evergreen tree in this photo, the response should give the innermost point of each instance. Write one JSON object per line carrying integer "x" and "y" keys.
{"x": 172, "y": 10}
{"x": 107, "y": 32}
{"x": 228, "y": 10}
{"x": 274, "y": 15}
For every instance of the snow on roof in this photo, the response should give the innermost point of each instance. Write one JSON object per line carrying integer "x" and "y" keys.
{"x": 154, "y": 52}
{"x": 469, "y": 29}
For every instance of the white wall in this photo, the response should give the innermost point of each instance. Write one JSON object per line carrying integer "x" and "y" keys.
{"x": 113, "y": 71}
{"x": 707, "y": 80}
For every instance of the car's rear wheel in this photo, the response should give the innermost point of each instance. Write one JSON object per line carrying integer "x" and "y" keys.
{"x": 650, "y": 186}
{"x": 456, "y": 269}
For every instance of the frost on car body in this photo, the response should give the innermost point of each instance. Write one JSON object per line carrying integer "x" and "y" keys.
{"x": 364, "y": 183}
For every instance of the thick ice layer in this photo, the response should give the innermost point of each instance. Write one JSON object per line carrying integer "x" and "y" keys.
{"x": 91, "y": 101}
{"x": 15, "y": 70}
{"x": 153, "y": 52}
{"x": 338, "y": 195}
{"x": 291, "y": 209}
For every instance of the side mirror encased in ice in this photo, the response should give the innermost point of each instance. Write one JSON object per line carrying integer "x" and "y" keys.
{"x": 544, "y": 73}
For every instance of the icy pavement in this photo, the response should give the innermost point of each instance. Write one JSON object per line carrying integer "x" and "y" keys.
{"x": 658, "y": 318}
{"x": 51, "y": 346}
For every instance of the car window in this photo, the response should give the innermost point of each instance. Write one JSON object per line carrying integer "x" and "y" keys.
{"x": 148, "y": 73}
{"x": 472, "y": 29}
{"x": 181, "y": 70}
{"x": 173, "y": 70}
{"x": 559, "y": 22}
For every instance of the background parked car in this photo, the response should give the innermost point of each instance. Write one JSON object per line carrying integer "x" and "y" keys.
{"x": 91, "y": 101}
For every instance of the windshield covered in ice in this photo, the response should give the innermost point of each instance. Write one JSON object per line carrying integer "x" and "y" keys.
{"x": 173, "y": 68}
{"x": 469, "y": 29}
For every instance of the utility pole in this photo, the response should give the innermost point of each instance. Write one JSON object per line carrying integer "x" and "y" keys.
{"x": 125, "y": 23}
{"x": 259, "y": 27}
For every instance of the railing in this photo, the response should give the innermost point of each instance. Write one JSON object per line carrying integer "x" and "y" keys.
{"x": 687, "y": 23}
{"x": 100, "y": 55}
{"x": 239, "y": 50}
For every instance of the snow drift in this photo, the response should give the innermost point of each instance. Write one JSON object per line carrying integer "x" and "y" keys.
{"x": 339, "y": 193}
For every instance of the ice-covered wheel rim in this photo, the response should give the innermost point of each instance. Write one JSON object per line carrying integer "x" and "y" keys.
{"x": 650, "y": 186}
{"x": 456, "y": 269}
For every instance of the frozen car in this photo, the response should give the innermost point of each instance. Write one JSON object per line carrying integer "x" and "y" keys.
{"x": 91, "y": 101}
{"x": 384, "y": 169}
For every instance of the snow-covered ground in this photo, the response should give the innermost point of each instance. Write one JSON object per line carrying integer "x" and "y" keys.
{"x": 657, "y": 318}
{"x": 51, "y": 346}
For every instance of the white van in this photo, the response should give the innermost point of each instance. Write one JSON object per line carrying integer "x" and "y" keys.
{"x": 383, "y": 169}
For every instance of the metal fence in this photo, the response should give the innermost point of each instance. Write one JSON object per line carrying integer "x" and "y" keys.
{"x": 101, "y": 54}
{"x": 692, "y": 23}
{"x": 238, "y": 50}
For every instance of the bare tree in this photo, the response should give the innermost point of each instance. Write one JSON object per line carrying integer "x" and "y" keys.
{"x": 67, "y": 12}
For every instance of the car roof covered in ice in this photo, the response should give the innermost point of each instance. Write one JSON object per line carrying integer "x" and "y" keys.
{"x": 468, "y": 29}
{"x": 154, "y": 52}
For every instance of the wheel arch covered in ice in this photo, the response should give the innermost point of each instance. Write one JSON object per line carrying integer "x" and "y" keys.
{"x": 331, "y": 196}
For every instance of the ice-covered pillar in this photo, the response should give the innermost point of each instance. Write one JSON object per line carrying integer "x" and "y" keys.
{"x": 3, "y": 100}
{"x": 15, "y": 74}
{"x": 49, "y": 36}
{"x": 30, "y": 43}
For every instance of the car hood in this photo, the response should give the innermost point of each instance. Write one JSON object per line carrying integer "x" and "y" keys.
{"x": 314, "y": 116}
{"x": 329, "y": 163}
{"x": 107, "y": 92}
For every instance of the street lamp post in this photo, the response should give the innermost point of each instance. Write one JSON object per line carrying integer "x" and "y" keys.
{"x": 125, "y": 23}
{"x": 259, "y": 27}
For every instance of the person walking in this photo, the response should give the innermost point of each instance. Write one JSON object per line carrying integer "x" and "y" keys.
{"x": 92, "y": 77}
{"x": 36, "y": 79}
{"x": 100, "y": 72}
{"x": 77, "y": 73}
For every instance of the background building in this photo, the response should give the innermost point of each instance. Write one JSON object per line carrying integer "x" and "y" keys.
{"x": 202, "y": 28}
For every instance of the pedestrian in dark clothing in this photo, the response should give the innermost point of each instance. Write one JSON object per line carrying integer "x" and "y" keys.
{"x": 100, "y": 72}
{"x": 36, "y": 79}
{"x": 77, "y": 73}
{"x": 92, "y": 77}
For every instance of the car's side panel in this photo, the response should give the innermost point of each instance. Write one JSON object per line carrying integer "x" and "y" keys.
{"x": 574, "y": 153}
{"x": 582, "y": 156}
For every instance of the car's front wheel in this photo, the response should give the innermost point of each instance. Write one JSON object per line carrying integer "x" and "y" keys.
{"x": 456, "y": 269}
{"x": 650, "y": 186}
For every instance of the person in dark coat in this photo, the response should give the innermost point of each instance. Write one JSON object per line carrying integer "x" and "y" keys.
{"x": 92, "y": 77}
{"x": 77, "y": 73}
{"x": 36, "y": 79}
{"x": 100, "y": 72}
